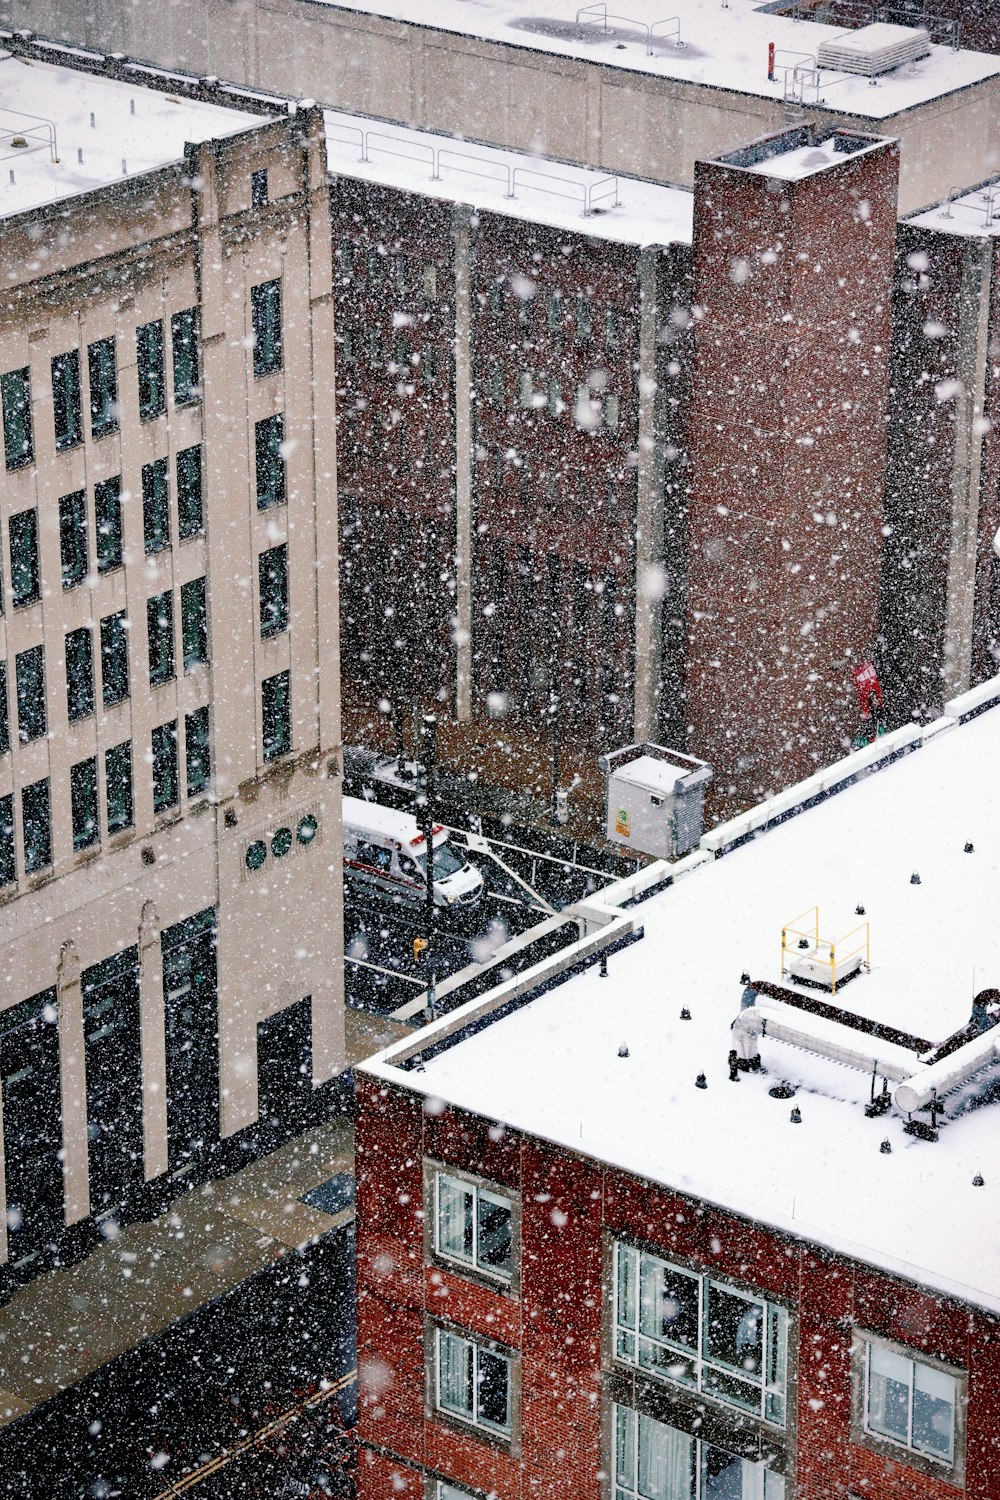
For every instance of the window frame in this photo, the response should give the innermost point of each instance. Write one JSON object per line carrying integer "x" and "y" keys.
{"x": 273, "y": 591}
{"x": 85, "y": 799}
{"x": 498, "y": 1280}
{"x": 8, "y": 842}
{"x": 109, "y": 524}
{"x": 270, "y": 469}
{"x": 951, "y": 1469}
{"x": 156, "y": 529}
{"x": 119, "y": 758}
{"x": 151, "y": 369}
{"x": 471, "y": 1420}
{"x": 67, "y": 400}
{"x": 114, "y": 649}
{"x": 74, "y": 545}
{"x": 267, "y": 326}
{"x": 162, "y": 654}
{"x": 274, "y": 749}
{"x": 104, "y": 415}
{"x": 4, "y": 710}
{"x": 81, "y": 691}
{"x": 31, "y": 563}
{"x": 195, "y": 645}
{"x": 190, "y": 480}
{"x": 32, "y": 705}
{"x": 17, "y": 409}
{"x": 35, "y": 862}
{"x": 778, "y": 1320}
{"x": 628, "y": 1488}
{"x": 198, "y": 750}
{"x": 165, "y": 747}
{"x": 185, "y": 356}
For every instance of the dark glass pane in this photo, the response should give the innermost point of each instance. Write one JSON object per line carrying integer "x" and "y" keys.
{"x": 118, "y": 782}
{"x": 67, "y": 407}
{"x": 160, "y": 633}
{"x": 73, "y": 538}
{"x": 103, "y": 370}
{"x": 258, "y": 188}
{"x": 722, "y": 1475}
{"x": 277, "y": 715}
{"x": 265, "y": 303}
{"x": 29, "y": 670}
{"x": 185, "y": 346}
{"x": 156, "y": 506}
{"x": 735, "y": 1331}
{"x": 197, "y": 751}
{"x": 8, "y": 867}
{"x": 269, "y": 435}
{"x": 114, "y": 658}
{"x": 18, "y": 441}
{"x": 83, "y": 800}
{"x": 79, "y": 673}
{"x": 190, "y": 512}
{"x": 494, "y": 1389}
{"x": 166, "y": 788}
{"x": 494, "y": 1232}
{"x": 272, "y": 570}
{"x": 4, "y": 711}
{"x": 25, "y": 572}
{"x": 149, "y": 358}
{"x": 194, "y": 621}
{"x": 35, "y": 814}
{"x": 108, "y": 519}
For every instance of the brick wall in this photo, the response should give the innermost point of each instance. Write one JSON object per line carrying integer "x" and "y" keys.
{"x": 569, "y": 1205}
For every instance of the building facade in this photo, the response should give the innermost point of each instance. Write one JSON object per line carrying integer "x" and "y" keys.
{"x": 169, "y": 850}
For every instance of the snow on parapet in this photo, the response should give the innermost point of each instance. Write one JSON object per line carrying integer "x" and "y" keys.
{"x": 64, "y": 131}
{"x": 801, "y": 152}
{"x": 553, "y": 1068}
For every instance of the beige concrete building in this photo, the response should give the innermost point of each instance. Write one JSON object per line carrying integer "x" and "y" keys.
{"x": 647, "y": 92}
{"x": 170, "y": 908}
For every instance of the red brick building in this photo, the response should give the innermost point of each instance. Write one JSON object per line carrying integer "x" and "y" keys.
{"x": 584, "y": 1270}
{"x": 793, "y": 253}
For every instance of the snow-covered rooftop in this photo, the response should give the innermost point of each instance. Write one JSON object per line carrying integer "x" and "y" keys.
{"x": 82, "y": 131}
{"x": 976, "y": 213}
{"x": 552, "y": 1068}
{"x": 796, "y": 153}
{"x": 719, "y": 48}
{"x": 625, "y": 209}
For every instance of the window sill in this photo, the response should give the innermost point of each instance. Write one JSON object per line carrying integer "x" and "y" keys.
{"x": 120, "y": 839}
{"x": 104, "y": 432}
{"x": 503, "y": 1286}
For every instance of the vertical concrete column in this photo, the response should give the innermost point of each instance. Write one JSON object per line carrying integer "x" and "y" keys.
{"x": 461, "y": 241}
{"x": 73, "y": 1085}
{"x": 649, "y": 512}
{"x": 966, "y": 474}
{"x": 153, "y": 1044}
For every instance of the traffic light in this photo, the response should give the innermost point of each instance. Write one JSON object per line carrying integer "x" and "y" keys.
{"x": 419, "y": 944}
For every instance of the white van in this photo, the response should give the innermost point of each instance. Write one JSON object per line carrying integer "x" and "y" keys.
{"x": 386, "y": 849}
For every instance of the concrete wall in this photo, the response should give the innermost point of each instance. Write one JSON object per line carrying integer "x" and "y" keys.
{"x": 491, "y": 91}
{"x": 279, "y": 928}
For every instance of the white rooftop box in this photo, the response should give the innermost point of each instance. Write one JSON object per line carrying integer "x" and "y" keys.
{"x": 654, "y": 799}
{"x": 875, "y": 49}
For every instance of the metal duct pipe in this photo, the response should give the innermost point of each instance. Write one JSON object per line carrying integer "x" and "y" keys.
{"x": 755, "y": 1022}
{"x": 940, "y": 1078}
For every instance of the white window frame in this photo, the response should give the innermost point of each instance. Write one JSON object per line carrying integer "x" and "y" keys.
{"x": 946, "y": 1461}
{"x": 471, "y": 1414}
{"x": 765, "y": 1484}
{"x": 696, "y": 1369}
{"x": 478, "y": 1190}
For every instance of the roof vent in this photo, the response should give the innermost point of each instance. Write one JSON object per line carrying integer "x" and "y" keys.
{"x": 873, "y": 50}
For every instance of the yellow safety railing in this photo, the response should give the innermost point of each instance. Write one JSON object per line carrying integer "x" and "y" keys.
{"x": 836, "y": 956}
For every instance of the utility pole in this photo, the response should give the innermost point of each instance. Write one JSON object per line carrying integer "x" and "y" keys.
{"x": 428, "y": 735}
{"x": 554, "y": 729}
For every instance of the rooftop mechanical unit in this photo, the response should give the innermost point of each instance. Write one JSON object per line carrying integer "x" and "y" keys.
{"x": 873, "y": 50}
{"x": 653, "y": 799}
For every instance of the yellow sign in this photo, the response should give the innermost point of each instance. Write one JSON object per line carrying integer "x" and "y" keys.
{"x": 622, "y": 823}
{"x": 419, "y": 944}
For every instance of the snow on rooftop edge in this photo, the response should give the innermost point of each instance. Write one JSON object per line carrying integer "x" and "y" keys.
{"x": 135, "y": 129}
{"x": 552, "y": 1068}
{"x": 727, "y": 52}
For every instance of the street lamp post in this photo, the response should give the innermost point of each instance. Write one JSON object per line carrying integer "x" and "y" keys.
{"x": 429, "y": 737}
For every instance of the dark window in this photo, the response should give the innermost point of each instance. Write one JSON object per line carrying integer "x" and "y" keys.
{"x": 612, "y": 327}
{"x": 265, "y": 306}
{"x": 152, "y": 382}
{"x": 73, "y": 538}
{"x": 276, "y": 698}
{"x": 8, "y": 867}
{"x": 29, "y": 670}
{"x": 102, "y": 367}
{"x": 108, "y": 520}
{"x": 79, "y": 673}
{"x": 36, "y": 816}
{"x": 185, "y": 344}
{"x": 197, "y": 751}
{"x": 272, "y": 573}
{"x": 269, "y": 436}
{"x": 166, "y": 787}
{"x": 25, "y": 571}
{"x": 114, "y": 658}
{"x": 15, "y": 389}
{"x": 160, "y": 633}
{"x": 118, "y": 783}
{"x": 583, "y": 326}
{"x": 4, "y": 711}
{"x": 67, "y": 406}
{"x": 83, "y": 803}
{"x": 156, "y": 505}
{"x": 190, "y": 508}
{"x": 194, "y": 621}
{"x": 258, "y": 188}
